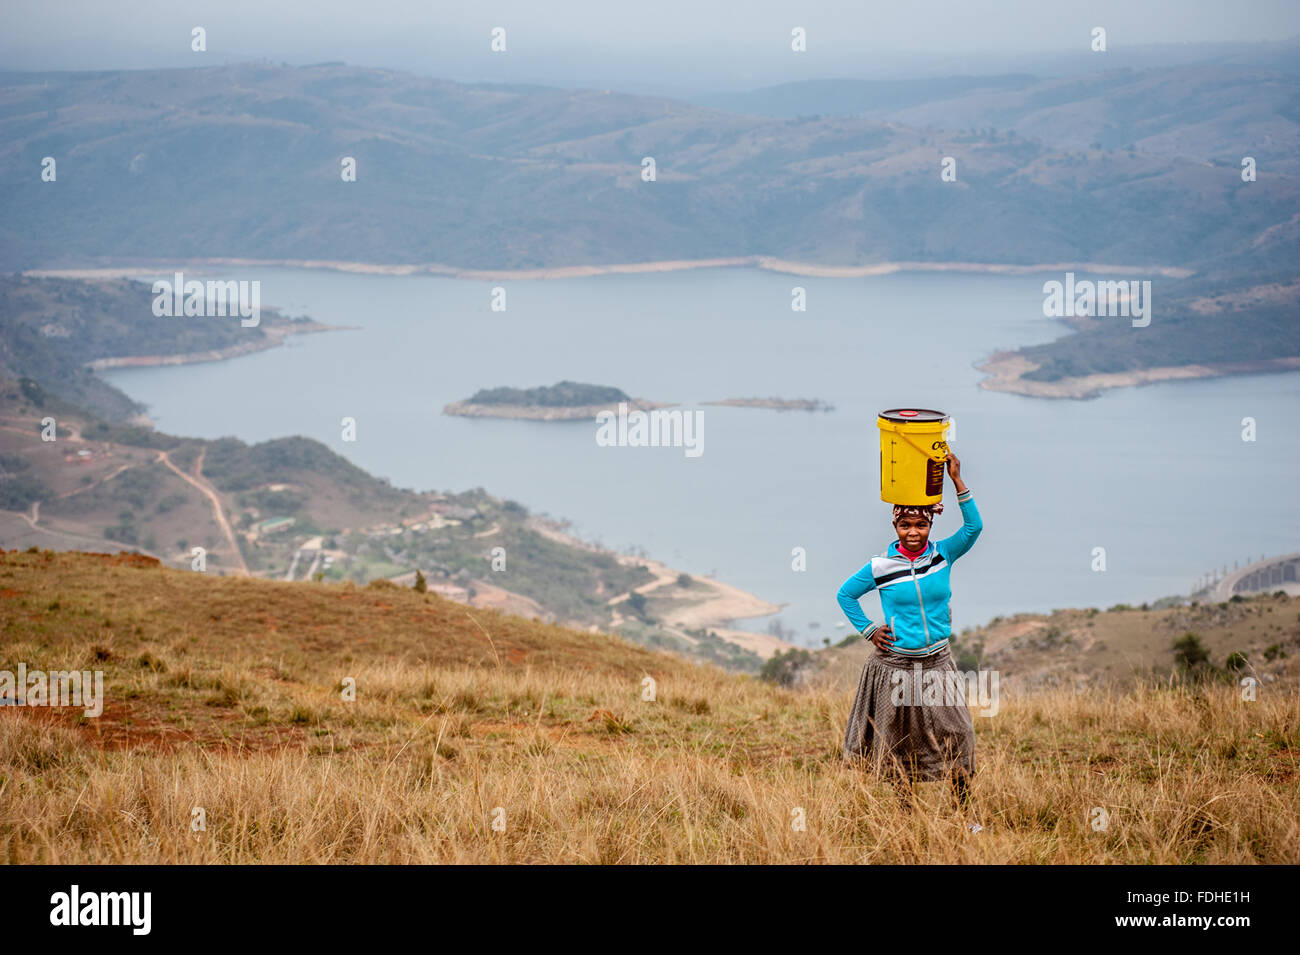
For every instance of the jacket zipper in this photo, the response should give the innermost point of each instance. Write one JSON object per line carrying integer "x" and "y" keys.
{"x": 921, "y": 603}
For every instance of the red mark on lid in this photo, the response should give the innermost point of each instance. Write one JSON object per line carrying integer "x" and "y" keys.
{"x": 908, "y": 414}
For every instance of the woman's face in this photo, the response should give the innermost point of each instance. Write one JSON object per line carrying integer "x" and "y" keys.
{"x": 913, "y": 532}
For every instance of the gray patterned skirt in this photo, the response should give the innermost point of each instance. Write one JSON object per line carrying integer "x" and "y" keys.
{"x": 932, "y": 738}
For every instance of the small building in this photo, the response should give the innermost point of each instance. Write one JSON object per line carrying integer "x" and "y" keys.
{"x": 275, "y": 525}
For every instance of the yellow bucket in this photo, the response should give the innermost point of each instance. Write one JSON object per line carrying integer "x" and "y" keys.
{"x": 913, "y": 449}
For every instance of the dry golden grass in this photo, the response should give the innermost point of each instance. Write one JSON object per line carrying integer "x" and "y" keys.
{"x": 226, "y": 694}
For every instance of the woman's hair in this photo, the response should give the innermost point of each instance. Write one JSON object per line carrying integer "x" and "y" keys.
{"x": 928, "y": 511}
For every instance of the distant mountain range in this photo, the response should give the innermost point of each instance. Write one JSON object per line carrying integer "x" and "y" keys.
{"x": 1140, "y": 169}
{"x": 1211, "y": 112}
{"x": 245, "y": 161}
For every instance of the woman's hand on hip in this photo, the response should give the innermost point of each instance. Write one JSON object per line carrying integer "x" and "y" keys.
{"x": 883, "y": 638}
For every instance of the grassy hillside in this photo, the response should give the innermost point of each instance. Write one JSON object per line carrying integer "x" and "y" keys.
{"x": 227, "y": 695}
{"x": 1118, "y": 647}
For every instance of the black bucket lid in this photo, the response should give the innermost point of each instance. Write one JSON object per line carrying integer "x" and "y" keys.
{"x": 913, "y": 414}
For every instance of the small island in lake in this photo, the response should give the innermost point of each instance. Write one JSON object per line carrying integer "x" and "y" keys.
{"x": 565, "y": 401}
{"x": 780, "y": 404}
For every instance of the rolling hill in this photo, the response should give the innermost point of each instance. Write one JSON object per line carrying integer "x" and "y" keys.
{"x": 1215, "y": 110}
{"x": 1115, "y": 648}
{"x": 255, "y": 721}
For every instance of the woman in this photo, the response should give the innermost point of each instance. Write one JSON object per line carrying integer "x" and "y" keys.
{"x": 891, "y": 725}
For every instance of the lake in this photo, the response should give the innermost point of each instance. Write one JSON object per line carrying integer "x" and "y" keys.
{"x": 1159, "y": 475}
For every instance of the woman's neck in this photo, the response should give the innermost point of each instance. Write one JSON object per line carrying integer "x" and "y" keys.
{"x": 911, "y": 554}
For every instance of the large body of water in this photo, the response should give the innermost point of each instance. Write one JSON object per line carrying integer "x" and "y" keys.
{"x": 1159, "y": 476}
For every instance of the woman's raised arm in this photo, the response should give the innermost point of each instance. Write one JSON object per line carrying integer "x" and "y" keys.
{"x": 962, "y": 541}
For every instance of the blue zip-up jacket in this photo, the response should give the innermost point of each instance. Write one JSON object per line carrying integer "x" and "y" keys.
{"x": 913, "y": 594}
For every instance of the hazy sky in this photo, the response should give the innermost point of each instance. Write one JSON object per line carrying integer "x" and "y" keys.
{"x": 657, "y": 44}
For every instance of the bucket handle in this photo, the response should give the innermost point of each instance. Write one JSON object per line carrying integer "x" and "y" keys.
{"x": 942, "y": 456}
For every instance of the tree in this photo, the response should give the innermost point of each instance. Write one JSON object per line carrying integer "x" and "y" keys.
{"x": 782, "y": 668}
{"x": 636, "y": 601}
{"x": 421, "y": 585}
{"x": 1190, "y": 653}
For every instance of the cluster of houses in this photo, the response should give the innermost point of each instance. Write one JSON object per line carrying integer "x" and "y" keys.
{"x": 442, "y": 514}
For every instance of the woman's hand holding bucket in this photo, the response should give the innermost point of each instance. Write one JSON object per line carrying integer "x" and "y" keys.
{"x": 954, "y": 472}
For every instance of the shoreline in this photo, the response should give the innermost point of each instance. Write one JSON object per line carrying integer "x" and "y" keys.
{"x": 1005, "y": 370}
{"x": 275, "y": 336}
{"x": 725, "y": 603}
{"x": 762, "y": 262}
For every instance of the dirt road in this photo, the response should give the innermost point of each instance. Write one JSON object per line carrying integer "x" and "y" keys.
{"x": 218, "y": 512}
